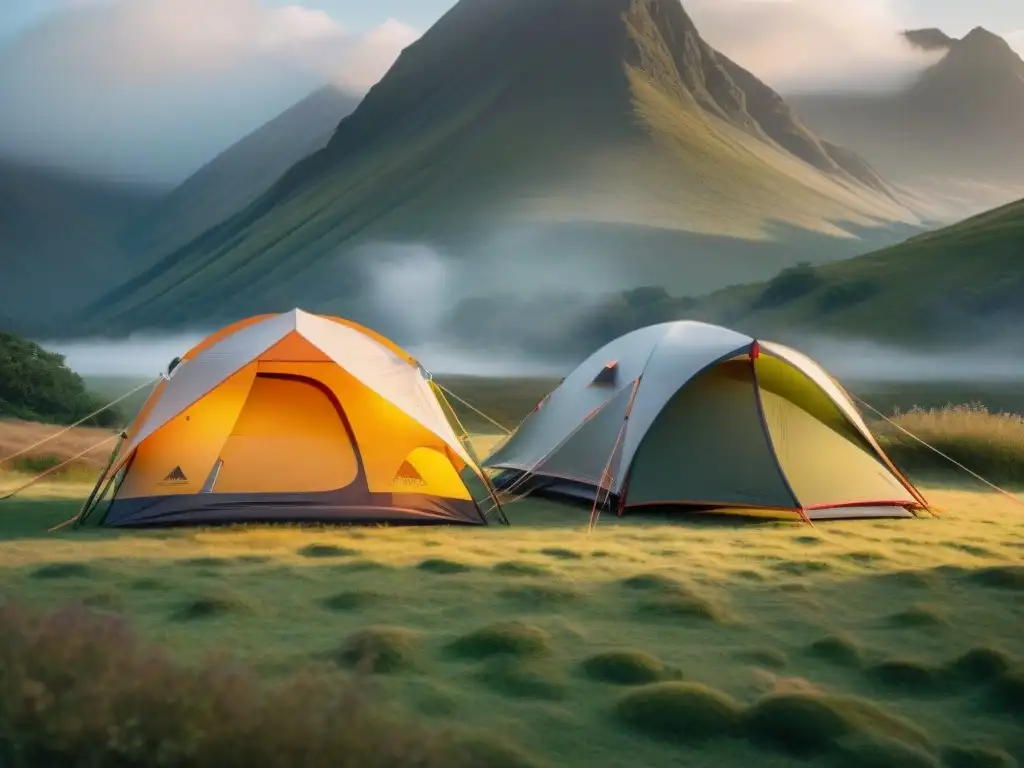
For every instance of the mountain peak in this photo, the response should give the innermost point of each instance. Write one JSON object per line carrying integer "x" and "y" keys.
{"x": 930, "y": 39}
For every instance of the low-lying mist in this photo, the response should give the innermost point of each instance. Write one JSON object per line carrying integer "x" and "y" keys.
{"x": 496, "y": 318}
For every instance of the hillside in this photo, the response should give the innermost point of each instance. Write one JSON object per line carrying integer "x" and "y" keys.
{"x": 957, "y": 286}
{"x": 240, "y": 173}
{"x": 536, "y": 121}
{"x": 58, "y": 239}
{"x": 965, "y": 115}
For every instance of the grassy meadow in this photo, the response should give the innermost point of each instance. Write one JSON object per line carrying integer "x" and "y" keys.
{"x": 652, "y": 640}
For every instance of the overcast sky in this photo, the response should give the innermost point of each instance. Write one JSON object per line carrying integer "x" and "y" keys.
{"x": 152, "y": 89}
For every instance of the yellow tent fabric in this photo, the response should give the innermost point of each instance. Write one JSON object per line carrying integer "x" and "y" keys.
{"x": 291, "y": 432}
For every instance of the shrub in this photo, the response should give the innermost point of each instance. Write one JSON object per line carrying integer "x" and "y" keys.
{"x": 36, "y": 385}
{"x": 790, "y": 284}
{"x": 77, "y": 688}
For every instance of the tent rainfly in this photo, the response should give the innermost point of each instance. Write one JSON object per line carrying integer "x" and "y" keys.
{"x": 691, "y": 414}
{"x": 290, "y": 417}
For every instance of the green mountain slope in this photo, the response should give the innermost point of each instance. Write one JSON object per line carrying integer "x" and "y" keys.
{"x": 535, "y": 114}
{"x": 950, "y": 285}
{"x": 58, "y": 236}
{"x": 958, "y": 285}
{"x": 239, "y": 174}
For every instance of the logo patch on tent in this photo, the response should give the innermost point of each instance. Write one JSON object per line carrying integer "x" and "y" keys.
{"x": 407, "y": 475}
{"x": 175, "y": 477}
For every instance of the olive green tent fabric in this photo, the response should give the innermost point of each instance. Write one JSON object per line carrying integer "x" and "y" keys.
{"x": 709, "y": 447}
{"x": 824, "y": 461}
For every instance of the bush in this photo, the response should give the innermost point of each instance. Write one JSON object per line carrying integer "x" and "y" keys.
{"x": 78, "y": 688}
{"x": 990, "y": 444}
{"x": 790, "y": 284}
{"x": 844, "y": 295}
{"x": 36, "y": 385}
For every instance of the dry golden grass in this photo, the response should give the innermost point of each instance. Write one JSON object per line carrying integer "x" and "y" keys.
{"x": 990, "y": 444}
{"x": 16, "y": 436}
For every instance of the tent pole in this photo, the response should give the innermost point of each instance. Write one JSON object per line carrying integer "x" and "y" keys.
{"x": 99, "y": 480}
{"x": 467, "y": 443}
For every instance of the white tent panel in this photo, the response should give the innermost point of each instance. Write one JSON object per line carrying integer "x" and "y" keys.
{"x": 202, "y": 374}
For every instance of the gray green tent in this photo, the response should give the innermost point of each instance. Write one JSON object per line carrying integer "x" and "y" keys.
{"x": 691, "y": 414}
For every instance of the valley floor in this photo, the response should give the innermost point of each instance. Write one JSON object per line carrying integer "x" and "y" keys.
{"x": 560, "y": 640}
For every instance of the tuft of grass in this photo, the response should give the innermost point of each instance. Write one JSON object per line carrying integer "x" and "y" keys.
{"x": 63, "y": 571}
{"x": 991, "y": 444}
{"x": 840, "y": 649}
{"x": 561, "y": 553}
{"x": 809, "y": 723}
{"x": 627, "y": 666}
{"x": 976, "y": 757}
{"x": 652, "y": 582}
{"x": 542, "y": 596}
{"x": 1010, "y": 577}
{"x": 877, "y": 751}
{"x": 920, "y": 617}
{"x": 212, "y": 606}
{"x": 909, "y": 675}
{"x": 677, "y": 711}
{"x": 981, "y": 664}
{"x": 326, "y": 551}
{"x": 350, "y": 600}
{"x": 442, "y": 566}
{"x": 510, "y": 638}
{"x": 523, "y": 678}
{"x": 518, "y": 568}
{"x": 683, "y": 606}
{"x": 380, "y": 649}
{"x": 65, "y": 699}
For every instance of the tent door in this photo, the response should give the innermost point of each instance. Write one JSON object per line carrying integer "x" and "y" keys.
{"x": 290, "y": 437}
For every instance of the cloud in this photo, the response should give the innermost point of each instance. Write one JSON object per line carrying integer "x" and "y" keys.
{"x": 806, "y": 45}
{"x": 100, "y": 82}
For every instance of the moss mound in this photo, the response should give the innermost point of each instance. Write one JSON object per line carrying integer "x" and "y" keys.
{"x": 441, "y": 566}
{"x": 809, "y": 724}
{"x": 652, "y": 582}
{"x": 350, "y": 600}
{"x": 519, "y": 568}
{"x": 981, "y": 665}
{"x": 326, "y": 551}
{"x": 682, "y": 607}
{"x": 909, "y": 675}
{"x": 540, "y": 596}
{"x": 64, "y": 571}
{"x": 509, "y": 638}
{"x": 627, "y": 667}
{"x": 520, "y": 678}
{"x": 839, "y": 648}
{"x": 677, "y": 711}
{"x": 1001, "y": 577}
{"x": 380, "y": 649}
{"x": 920, "y": 617}
{"x": 212, "y": 606}
{"x": 561, "y": 553}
